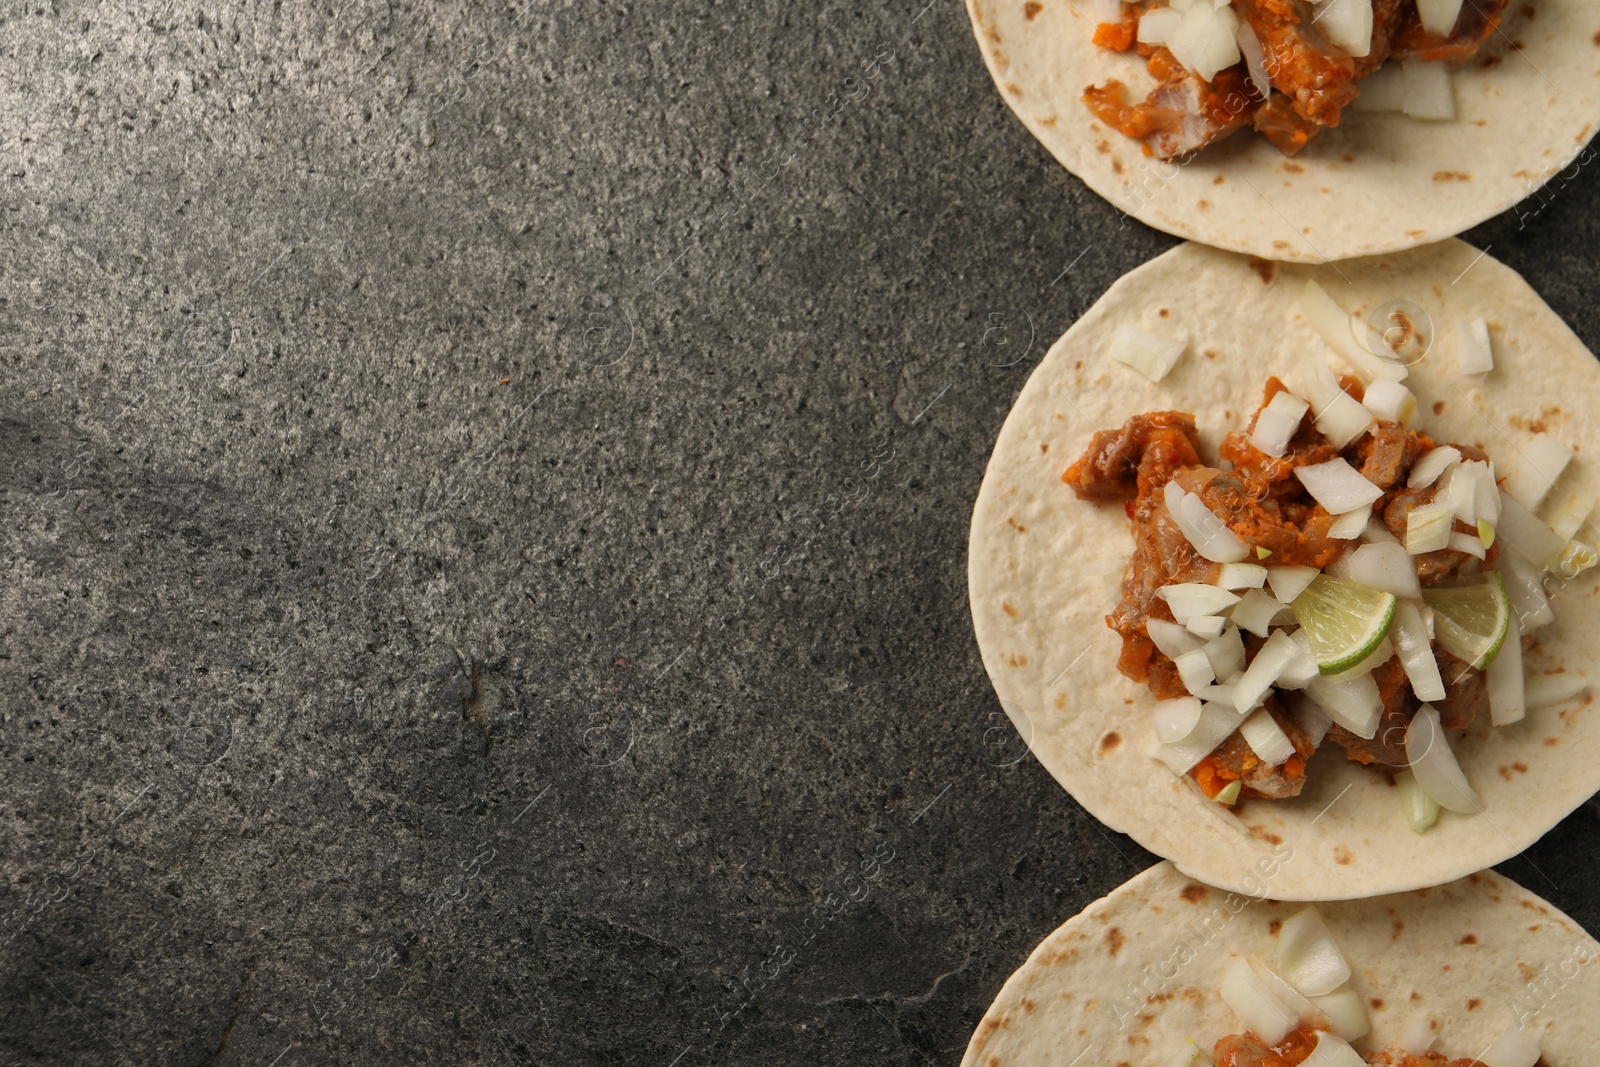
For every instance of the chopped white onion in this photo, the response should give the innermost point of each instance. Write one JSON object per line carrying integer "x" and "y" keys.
{"x": 1301, "y": 1007}
{"x": 1337, "y": 327}
{"x": 1438, "y": 773}
{"x": 1503, "y": 679}
{"x": 1378, "y": 534}
{"x": 1242, "y": 576}
{"x": 1332, "y": 1051}
{"x": 1277, "y": 423}
{"x": 1173, "y": 640}
{"x": 1429, "y": 93}
{"x": 1514, "y": 1049}
{"x": 1175, "y": 719}
{"x": 1432, "y": 463}
{"x": 1348, "y": 24}
{"x": 1421, "y": 810}
{"x": 1568, "y": 516}
{"x": 1351, "y": 525}
{"x": 1576, "y": 557}
{"x": 1255, "y": 612}
{"x": 1226, "y": 653}
{"x": 1471, "y": 544}
{"x": 1337, "y": 486}
{"x": 1416, "y": 652}
{"x": 1353, "y": 703}
{"x": 1428, "y": 528}
{"x": 1310, "y": 718}
{"x": 1253, "y": 1002}
{"x": 1208, "y": 534}
{"x": 1386, "y": 567}
{"x": 1475, "y": 351}
{"x": 1204, "y": 41}
{"x": 1255, "y": 60}
{"x": 1195, "y": 670}
{"x": 1548, "y": 690}
{"x": 1289, "y": 580}
{"x": 1527, "y": 535}
{"x": 1537, "y": 470}
{"x": 1217, "y": 721}
{"x": 1417, "y": 1037}
{"x": 1389, "y": 401}
{"x": 1309, "y": 956}
{"x": 1525, "y": 590}
{"x": 1346, "y": 1012}
{"x": 1277, "y": 655}
{"x": 1188, "y": 599}
{"x": 1206, "y": 626}
{"x": 1458, "y": 491}
{"x": 1265, "y": 737}
{"x": 1157, "y": 26}
{"x": 1302, "y": 670}
{"x": 1438, "y": 17}
{"x": 1339, "y": 416}
{"x": 1487, "y": 499}
{"x": 1151, "y": 354}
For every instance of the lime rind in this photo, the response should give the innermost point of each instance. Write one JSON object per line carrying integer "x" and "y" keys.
{"x": 1344, "y": 621}
{"x": 1471, "y": 618}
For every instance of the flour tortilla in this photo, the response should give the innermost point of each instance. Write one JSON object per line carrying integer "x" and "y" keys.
{"x": 1478, "y": 956}
{"x": 1040, "y": 559}
{"x": 1519, "y": 123}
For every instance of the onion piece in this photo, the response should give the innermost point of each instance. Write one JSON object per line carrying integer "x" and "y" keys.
{"x": 1310, "y": 957}
{"x": 1351, "y": 525}
{"x": 1346, "y": 1012}
{"x": 1173, "y": 640}
{"x": 1265, "y": 737}
{"x": 1416, "y": 652}
{"x": 1175, "y": 719}
{"x": 1311, "y": 719}
{"x": 1389, "y": 401}
{"x": 1301, "y": 1007}
{"x": 1339, "y": 416}
{"x": 1475, "y": 351}
{"x": 1503, "y": 679}
{"x": 1188, "y": 599}
{"x": 1438, "y": 773}
{"x": 1206, "y": 627}
{"x": 1151, "y": 354}
{"x": 1525, "y": 590}
{"x": 1217, "y": 721}
{"x": 1277, "y": 655}
{"x": 1348, "y": 24}
{"x": 1337, "y": 486}
{"x": 1255, "y": 60}
{"x": 1208, "y": 534}
{"x": 1302, "y": 670}
{"x": 1537, "y": 470}
{"x": 1568, "y": 517}
{"x": 1157, "y": 26}
{"x": 1432, "y": 463}
{"x": 1386, "y": 567}
{"x": 1575, "y": 558}
{"x": 1242, "y": 576}
{"x": 1548, "y": 690}
{"x": 1470, "y": 544}
{"x": 1421, "y": 810}
{"x": 1417, "y": 1037}
{"x": 1289, "y": 580}
{"x": 1226, "y": 653}
{"x": 1429, "y": 93}
{"x": 1487, "y": 499}
{"x": 1337, "y": 327}
{"x": 1458, "y": 491}
{"x": 1438, "y": 17}
{"x": 1514, "y": 1049}
{"x": 1255, "y": 612}
{"x": 1253, "y": 1002}
{"x": 1527, "y": 535}
{"x": 1277, "y": 423}
{"x": 1378, "y": 534}
{"x": 1353, "y": 703}
{"x": 1428, "y": 528}
{"x": 1195, "y": 670}
{"x": 1204, "y": 41}
{"x": 1332, "y": 1051}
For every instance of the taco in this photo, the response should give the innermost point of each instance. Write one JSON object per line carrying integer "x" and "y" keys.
{"x": 1250, "y": 619}
{"x": 1167, "y": 972}
{"x": 1185, "y": 115}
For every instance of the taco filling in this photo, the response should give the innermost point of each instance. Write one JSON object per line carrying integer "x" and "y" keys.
{"x": 1337, "y": 577}
{"x": 1286, "y": 68}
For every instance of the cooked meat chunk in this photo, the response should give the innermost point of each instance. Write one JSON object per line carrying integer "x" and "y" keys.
{"x": 1183, "y": 113}
{"x": 1388, "y": 746}
{"x": 1234, "y": 760}
{"x": 1135, "y": 459}
{"x": 1386, "y": 453}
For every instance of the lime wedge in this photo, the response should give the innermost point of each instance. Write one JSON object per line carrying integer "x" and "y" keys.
{"x": 1343, "y": 620}
{"x": 1471, "y": 617}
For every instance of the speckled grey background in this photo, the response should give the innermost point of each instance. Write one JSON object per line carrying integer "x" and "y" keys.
{"x": 485, "y": 496}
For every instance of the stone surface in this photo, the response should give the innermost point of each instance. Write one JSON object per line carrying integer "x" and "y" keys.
{"x": 485, "y": 499}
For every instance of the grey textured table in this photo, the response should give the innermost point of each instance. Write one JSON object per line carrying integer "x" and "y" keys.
{"x": 485, "y": 500}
